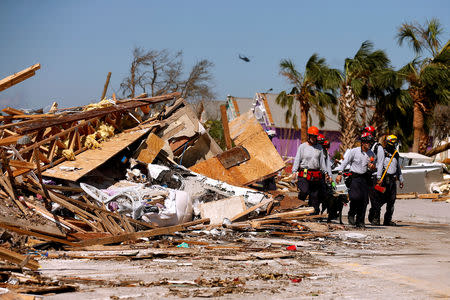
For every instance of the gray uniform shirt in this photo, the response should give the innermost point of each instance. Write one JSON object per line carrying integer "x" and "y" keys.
{"x": 394, "y": 167}
{"x": 327, "y": 162}
{"x": 379, "y": 158}
{"x": 357, "y": 159}
{"x": 309, "y": 157}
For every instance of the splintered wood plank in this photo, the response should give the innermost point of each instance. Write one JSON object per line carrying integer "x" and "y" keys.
{"x": 13, "y": 111}
{"x": 21, "y": 164}
{"x": 10, "y": 140}
{"x": 267, "y": 107}
{"x": 226, "y": 131}
{"x": 154, "y": 145}
{"x": 18, "y": 77}
{"x": 93, "y": 158}
{"x": 249, "y": 210}
{"x": 18, "y": 258}
{"x": 141, "y": 234}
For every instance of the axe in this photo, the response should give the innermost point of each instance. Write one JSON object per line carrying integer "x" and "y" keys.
{"x": 379, "y": 187}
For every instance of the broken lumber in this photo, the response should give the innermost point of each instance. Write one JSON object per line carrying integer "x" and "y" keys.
{"x": 154, "y": 144}
{"x": 105, "y": 88}
{"x": 18, "y": 77}
{"x": 428, "y": 196}
{"x": 249, "y": 210}
{"x": 226, "y": 130}
{"x": 141, "y": 234}
{"x": 17, "y": 258}
{"x": 294, "y": 213}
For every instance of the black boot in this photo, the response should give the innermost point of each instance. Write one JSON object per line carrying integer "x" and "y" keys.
{"x": 360, "y": 225}
{"x": 351, "y": 219}
{"x": 389, "y": 223}
{"x": 375, "y": 221}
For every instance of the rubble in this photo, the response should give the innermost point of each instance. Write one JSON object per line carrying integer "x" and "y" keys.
{"x": 114, "y": 181}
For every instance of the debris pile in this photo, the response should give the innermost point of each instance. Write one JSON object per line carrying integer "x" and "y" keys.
{"x": 116, "y": 172}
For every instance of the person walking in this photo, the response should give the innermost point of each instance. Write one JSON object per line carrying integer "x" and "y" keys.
{"x": 374, "y": 195}
{"x": 393, "y": 173}
{"x": 311, "y": 162}
{"x": 361, "y": 164}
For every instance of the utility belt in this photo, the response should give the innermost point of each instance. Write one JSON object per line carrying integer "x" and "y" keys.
{"x": 311, "y": 175}
{"x": 348, "y": 177}
{"x": 390, "y": 178}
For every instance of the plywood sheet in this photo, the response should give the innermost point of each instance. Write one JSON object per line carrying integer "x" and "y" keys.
{"x": 154, "y": 145}
{"x": 264, "y": 158}
{"x": 91, "y": 159}
{"x": 216, "y": 211}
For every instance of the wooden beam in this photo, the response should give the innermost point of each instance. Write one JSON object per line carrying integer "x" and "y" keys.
{"x": 123, "y": 105}
{"x": 11, "y": 80}
{"x": 105, "y": 88}
{"x": 60, "y": 134}
{"x": 249, "y": 210}
{"x": 10, "y": 140}
{"x": 17, "y": 258}
{"x": 26, "y": 224}
{"x": 13, "y": 111}
{"x": 21, "y": 164}
{"x": 39, "y": 235}
{"x": 141, "y": 234}
{"x": 226, "y": 129}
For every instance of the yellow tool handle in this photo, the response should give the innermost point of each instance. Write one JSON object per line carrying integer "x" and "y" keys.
{"x": 382, "y": 177}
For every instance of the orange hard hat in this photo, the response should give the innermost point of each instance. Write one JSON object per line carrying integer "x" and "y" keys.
{"x": 313, "y": 130}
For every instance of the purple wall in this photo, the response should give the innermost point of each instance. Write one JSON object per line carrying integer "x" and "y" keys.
{"x": 286, "y": 140}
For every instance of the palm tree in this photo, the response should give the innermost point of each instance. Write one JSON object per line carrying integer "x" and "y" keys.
{"x": 315, "y": 88}
{"x": 428, "y": 78}
{"x": 393, "y": 105}
{"x": 355, "y": 87}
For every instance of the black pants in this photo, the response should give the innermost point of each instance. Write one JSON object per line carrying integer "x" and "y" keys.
{"x": 359, "y": 198}
{"x": 376, "y": 199}
{"x": 387, "y": 197}
{"x": 313, "y": 189}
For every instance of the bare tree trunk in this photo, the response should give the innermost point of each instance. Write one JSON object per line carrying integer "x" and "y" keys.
{"x": 347, "y": 118}
{"x": 133, "y": 79}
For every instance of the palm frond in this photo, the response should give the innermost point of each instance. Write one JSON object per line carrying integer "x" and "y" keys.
{"x": 408, "y": 32}
{"x": 288, "y": 70}
{"x": 432, "y": 33}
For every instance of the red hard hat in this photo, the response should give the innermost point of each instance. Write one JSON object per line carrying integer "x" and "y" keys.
{"x": 326, "y": 144}
{"x": 370, "y": 129}
{"x": 313, "y": 130}
{"x": 320, "y": 138}
{"x": 367, "y": 137}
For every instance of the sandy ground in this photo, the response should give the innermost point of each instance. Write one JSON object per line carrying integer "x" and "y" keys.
{"x": 410, "y": 261}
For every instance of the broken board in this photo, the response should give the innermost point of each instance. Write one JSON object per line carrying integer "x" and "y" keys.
{"x": 233, "y": 157}
{"x": 93, "y": 158}
{"x": 154, "y": 145}
{"x": 264, "y": 161}
{"x": 216, "y": 211}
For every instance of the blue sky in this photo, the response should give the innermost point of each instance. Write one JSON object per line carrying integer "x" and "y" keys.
{"x": 79, "y": 42}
